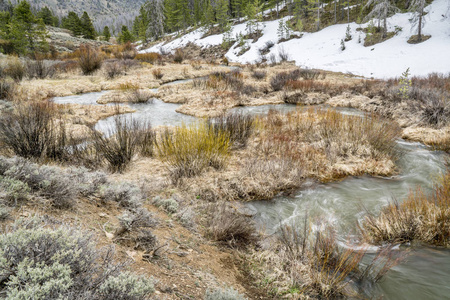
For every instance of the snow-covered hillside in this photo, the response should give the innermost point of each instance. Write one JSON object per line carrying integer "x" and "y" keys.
{"x": 322, "y": 49}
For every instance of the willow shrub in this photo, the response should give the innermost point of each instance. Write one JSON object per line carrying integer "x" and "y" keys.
{"x": 189, "y": 150}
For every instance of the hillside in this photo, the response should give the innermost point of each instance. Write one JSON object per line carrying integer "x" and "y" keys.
{"x": 112, "y": 13}
{"x": 322, "y": 49}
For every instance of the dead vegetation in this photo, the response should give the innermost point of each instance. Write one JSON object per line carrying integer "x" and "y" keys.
{"x": 419, "y": 217}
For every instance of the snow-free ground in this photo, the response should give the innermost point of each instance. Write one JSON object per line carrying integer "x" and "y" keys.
{"x": 322, "y": 49}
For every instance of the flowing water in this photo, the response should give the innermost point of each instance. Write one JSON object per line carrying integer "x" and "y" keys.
{"x": 425, "y": 274}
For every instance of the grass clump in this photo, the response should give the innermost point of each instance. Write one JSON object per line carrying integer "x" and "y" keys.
{"x": 157, "y": 73}
{"x": 318, "y": 139}
{"x": 189, "y": 150}
{"x": 151, "y": 57}
{"x": 127, "y": 138}
{"x": 40, "y": 260}
{"x": 238, "y": 126}
{"x": 420, "y": 217}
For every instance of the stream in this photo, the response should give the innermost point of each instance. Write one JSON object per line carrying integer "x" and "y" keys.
{"x": 425, "y": 274}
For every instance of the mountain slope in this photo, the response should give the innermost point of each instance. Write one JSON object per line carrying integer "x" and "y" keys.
{"x": 112, "y": 13}
{"x": 322, "y": 49}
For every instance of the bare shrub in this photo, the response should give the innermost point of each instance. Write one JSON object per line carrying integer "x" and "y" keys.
{"x": 15, "y": 69}
{"x": 61, "y": 262}
{"x": 188, "y": 151}
{"x": 127, "y": 138}
{"x": 178, "y": 57}
{"x": 33, "y": 131}
{"x": 7, "y": 89}
{"x": 279, "y": 81}
{"x": 226, "y": 225}
{"x": 309, "y": 74}
{"x": 238, "y": 126}
{"x": 259, "y": 75}
{"x": 112, "y": 69}
{"x": 157, "y": 73}
{"x": 39, "y": 68}
{"x": 126, "y": 51}
{"x": 283, "y": 54}
{"x": 90, "y": 59}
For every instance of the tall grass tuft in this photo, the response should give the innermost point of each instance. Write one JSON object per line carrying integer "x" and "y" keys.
{"x": 314, "y": 261}
{"x": 238, "y": 126}
{"x": 127, "y": 138}
{"x": 420, "y": 217}
{"x": 189, "y": 150}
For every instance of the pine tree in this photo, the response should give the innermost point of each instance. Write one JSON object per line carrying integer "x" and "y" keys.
{"x": 73, "y": 23}
{"x": 155, "y": 19}
{"x": 47, "y": 17}
{"x": 381, "y": 10}
{"x": 87, "y": 28}
{"x": 106, "y": 33}
{"x": 222, "y": 13}
{"x": 26, "y": 33}
{"x": 417, "y": 6}
{"x": 125, "y": 36}
{"x": 314, "y": 6}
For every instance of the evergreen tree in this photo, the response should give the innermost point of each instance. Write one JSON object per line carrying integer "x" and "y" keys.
{"x": 106, "y": 33}
{"x": 314, "y": 6}
{"x": 25, "y": 33}
{"x": 125, "y": 36}
{"x": 73, "y": 23}
{"x": 381, "y": 10}
{"x": 155, "y": 12}
{"x": 417, "y": 6}
{"x": 222, "y": 13}
{"x": 87, "y": 28}
{"x": 47, "y": 17}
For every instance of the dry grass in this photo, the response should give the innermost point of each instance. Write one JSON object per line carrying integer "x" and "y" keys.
{"x": 420, "y": 217}
{"x": 324, "y": 141}
{"x": 189, "y": 150}
{"x": 150, "y": 58}
{"x": 157, "y": 73}
{"x": 310, "y": 264}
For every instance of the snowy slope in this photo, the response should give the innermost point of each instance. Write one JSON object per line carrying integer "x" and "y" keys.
{"x": 322, "y": 49}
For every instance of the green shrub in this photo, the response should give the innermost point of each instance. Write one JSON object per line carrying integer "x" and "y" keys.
{"x": 125, "y": 193}
{"x": 126, "y": 286}
{"x": 13, "y": 191}
{"x": 223, "y": 294}
{"x": 170, "y": 205}
{"x": 41, "y": 261}
{"x": 189, "y": 150}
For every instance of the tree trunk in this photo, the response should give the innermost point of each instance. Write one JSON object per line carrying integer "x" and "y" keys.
{"x": 384, "y": 27}
{"x": 419, "y": 34}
